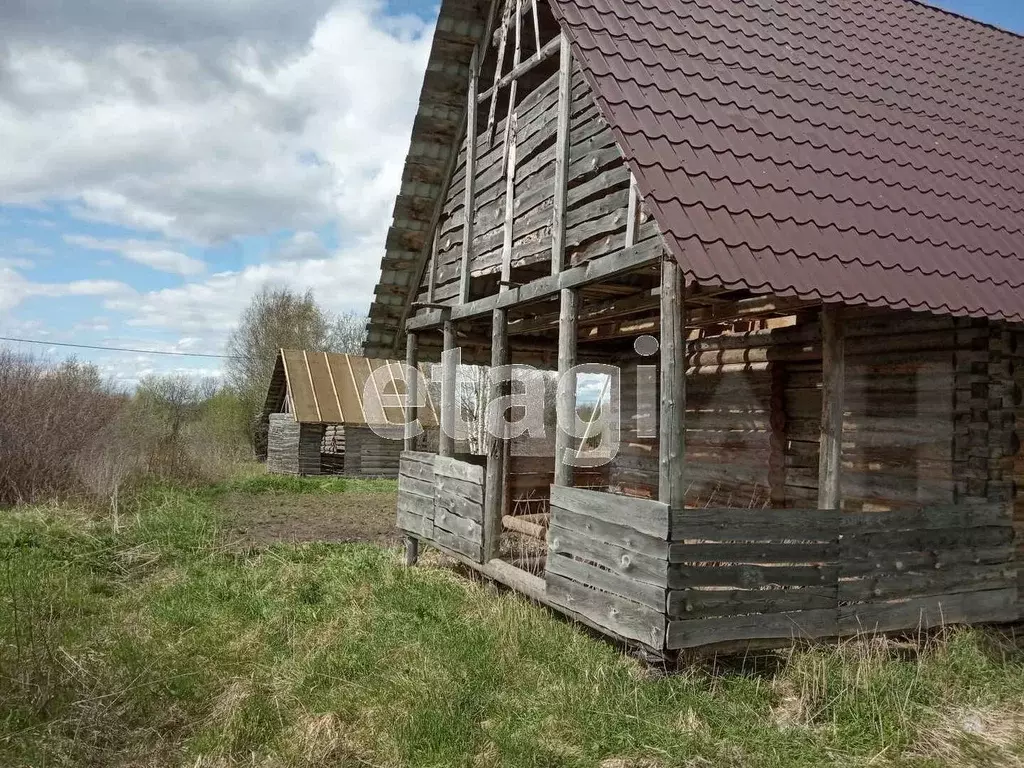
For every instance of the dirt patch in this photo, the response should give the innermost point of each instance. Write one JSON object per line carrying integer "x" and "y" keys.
{"x": 258, "y": 519}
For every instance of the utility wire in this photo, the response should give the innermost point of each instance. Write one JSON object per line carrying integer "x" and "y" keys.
{"x": 116, "y": 349}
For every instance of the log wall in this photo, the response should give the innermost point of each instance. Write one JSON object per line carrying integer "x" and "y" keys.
{"x": 293, "y": 448}
{"x": 598, "y": 190}
{"x": 914, "y": 429}
{"x": 367, "y": 454}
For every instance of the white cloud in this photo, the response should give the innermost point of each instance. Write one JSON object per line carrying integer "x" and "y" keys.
{"x": 209, "y": 142}
{"x": 150, "y": 253}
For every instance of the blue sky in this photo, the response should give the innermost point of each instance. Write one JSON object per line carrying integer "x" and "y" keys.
{"x": 163, "y": 161}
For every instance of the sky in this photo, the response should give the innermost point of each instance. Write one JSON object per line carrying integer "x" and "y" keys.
{"x": 162, "y": 161}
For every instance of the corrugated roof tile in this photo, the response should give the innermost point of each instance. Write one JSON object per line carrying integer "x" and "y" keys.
{"x": 869, "y": 153}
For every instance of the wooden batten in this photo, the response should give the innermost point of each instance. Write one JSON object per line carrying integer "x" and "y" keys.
{"x": 470, "y": 192}
{"x": 672, "y": 433}
{"x": 832, "y": 399}
{"x": 561, "y": 155}
{"x": 632, "y": 212}
{"x": 566, "y": 399}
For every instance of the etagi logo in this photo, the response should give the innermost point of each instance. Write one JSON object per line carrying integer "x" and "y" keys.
{"x": 515, "y": 404}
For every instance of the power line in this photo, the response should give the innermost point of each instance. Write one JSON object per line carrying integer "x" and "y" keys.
{"x": 116, "y": 349}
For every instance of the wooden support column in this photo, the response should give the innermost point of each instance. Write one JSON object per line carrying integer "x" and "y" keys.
{"x": 565, "y": 404}
{"x": 833, "y": 386}
{"x": 470, "y": 195}
{"x": 411, "y": 389}
{"x": 494, "y": 479}
{"x": 449, "y": 372}
{"x": 672, "y": 428}
{"x": 561, "y": 157}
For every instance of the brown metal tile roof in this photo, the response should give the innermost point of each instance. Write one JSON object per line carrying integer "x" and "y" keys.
{"x": 329, "y": 388}
{"x": 868, "y": 152}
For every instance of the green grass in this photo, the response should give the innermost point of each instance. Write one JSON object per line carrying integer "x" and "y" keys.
{"x": 151, "y": 646}
{"x": 266, "y": 483}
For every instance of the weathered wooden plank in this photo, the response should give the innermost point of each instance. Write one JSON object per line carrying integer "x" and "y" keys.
{"x": 796, "y": 625}
{"x": 473, "y": 492}
{"x": 626, "y": 562}
{"x": 751, "y": 576}
{"x": 458, "y": 504}
{"x": 415, "y": 524}
{"x": 409, "y": 484}
{"x": 601, "y": 530}
{"x": 967, "y": 578}
{"x": 764, "y": 553}
{"x": 446, "y": 466}
{"x": 925, "y": 612}
{"x": 696, "y": 603}
{"x": 460, "y": 526}
{"x": 417, "y": 470}
{"x": 623, "y": 617}
{"x": 899, "y": 562}
{"x": 755, "y": 525}
{"x": 448, "y": 540}
{"x": 879, "y": 544}
{"x": 411, "y": 389}
{"x": 584, "y": 573}
{"x": 649, "y": 517}
{"x": 449, "y": 372}
{"x": 415, "y": 504}
{"x": 928, "y": 518}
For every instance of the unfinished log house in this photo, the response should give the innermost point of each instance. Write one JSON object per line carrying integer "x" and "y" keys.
{"x": 327, "y": 414}
{"x": 815, "y": 210}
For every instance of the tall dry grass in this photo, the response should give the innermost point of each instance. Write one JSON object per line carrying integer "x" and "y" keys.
{"x": 51, "y": 418}
{"x": 65, "y": 432}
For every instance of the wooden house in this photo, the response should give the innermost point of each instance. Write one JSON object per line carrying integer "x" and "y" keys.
{"x": 335, "y": 414}
{"x": 817, "y": 210}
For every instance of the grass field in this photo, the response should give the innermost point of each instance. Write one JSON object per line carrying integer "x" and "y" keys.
{"x": 166, "y": 644}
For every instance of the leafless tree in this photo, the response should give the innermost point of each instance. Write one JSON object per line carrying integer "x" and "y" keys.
{"x": 347, "y": 334}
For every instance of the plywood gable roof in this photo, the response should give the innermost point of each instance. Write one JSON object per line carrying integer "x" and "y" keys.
{"x": 330, "y": 388}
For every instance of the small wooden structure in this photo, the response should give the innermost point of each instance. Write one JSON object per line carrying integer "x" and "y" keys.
{"x": 335, "y": 414}
{"x": 822, "y": 436}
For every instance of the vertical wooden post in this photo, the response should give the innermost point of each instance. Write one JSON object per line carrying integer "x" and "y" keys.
{"x": 632, "y": 212}
{"x": 412, "y": 551}
{"x": 833, "y": 388}
{"x": 449, "y": 372}
{"x": 561, "y": 157}
{"x": 469, "y": 203}
{"x": 672, "y": 429}
{"x": 494, "y": 479}
{"x": 411, "y": 388}
{"x": 565, "y": 403}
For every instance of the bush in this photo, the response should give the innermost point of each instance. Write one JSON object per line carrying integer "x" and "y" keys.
{"x": 50, "y": 421}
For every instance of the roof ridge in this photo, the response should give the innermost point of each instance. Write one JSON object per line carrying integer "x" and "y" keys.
{"x": 930, "y": 5}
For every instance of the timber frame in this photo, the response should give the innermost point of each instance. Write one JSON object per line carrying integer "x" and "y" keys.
{"x": 803, "y": 470}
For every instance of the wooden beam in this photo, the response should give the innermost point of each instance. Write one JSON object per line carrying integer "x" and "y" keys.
{"x": 833, "y": 387}
{"x": 506, "y": 19}
{"x": 546, "y": 52}
{"x": 562, "y": 142}
{"x": 469, "y": 202}
{"x": 449, "y": 372}
{"x": 644, "y": 254}
{"x": 411, "y": 388}
{"x": 510, "y": 115}
{"x": 494, "y": 479}
{"x": 565, "y": 404}
{"x": 672, "y": 431}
